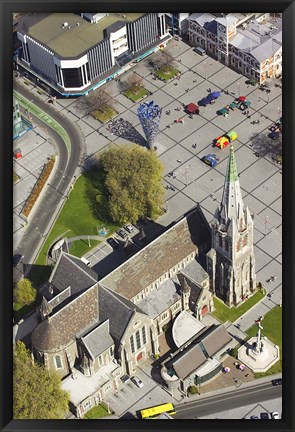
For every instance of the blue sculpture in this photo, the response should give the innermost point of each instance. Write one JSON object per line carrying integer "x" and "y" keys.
{"x": 149, "y": 116}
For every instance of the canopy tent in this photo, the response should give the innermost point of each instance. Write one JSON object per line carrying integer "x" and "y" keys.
{"x": 215, "y": 94}
{"x": 242, "y": 98}
{"x": 223, "y": 111}
{"x": 232, "y": 135}
{"x": 192, "y": 108}
{"x": 233, "y": 105}
{"x": 203, "y": 102}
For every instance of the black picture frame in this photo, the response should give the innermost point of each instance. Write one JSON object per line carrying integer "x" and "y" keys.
{"x": 7, "y": 8}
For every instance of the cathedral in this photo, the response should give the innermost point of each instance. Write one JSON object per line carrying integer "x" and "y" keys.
{"x": 231, "y": 262}
{"x": 93, "y": 329}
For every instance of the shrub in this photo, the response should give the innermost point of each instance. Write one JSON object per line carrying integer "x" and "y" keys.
{"x": 192, "y": 389}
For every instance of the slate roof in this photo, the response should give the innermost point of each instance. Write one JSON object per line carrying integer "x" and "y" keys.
{"x": 60, "y": 329}
{"x": 98, "y": 340}
{"x": 216, "y": 340}
{"x": 162, "y": 254}
{"x": 71, "y": 271}
{"x": 195, "y": 272}
{"x": 159, "y": 299}
{"x": 188, "y": 361}
{"x": 117, "y": 309}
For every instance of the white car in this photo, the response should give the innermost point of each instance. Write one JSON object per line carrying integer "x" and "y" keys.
{"x": 275, "y": 415}
{"x": 137, "y": 381}
{"x": 129, "y": 228}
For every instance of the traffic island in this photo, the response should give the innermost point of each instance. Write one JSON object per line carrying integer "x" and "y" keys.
{"x": 136, "y": 94}
{"x": 166, "y": 73}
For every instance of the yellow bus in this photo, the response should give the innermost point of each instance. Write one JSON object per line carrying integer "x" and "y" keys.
{"x": 154, "y": 411}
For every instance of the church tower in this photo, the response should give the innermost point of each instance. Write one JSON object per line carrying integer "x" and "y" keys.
{"x": 231, "y": 262}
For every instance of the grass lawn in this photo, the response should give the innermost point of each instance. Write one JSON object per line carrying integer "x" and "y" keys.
{"x": 224, "y": 313}
{"x": 166, "y": 73}
{"x": 96, "y": 412}
{"x": 272, "y": 329}
{"x": 104, "y": 114}
{"x": 83, "y": 212}
{"x": 15, "y": 177}
{"x": 136, "y": 94}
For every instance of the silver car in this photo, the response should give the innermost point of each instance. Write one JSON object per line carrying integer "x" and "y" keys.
{"x": 137, "y": 381}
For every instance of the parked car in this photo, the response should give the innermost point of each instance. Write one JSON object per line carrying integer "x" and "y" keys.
{"x": 113, "y": 242}
{"x": 275, "y": 415}
{"x": 129, "y": 228}
{"x": 137, "y": 381}
{"x": 264, "y": 416}
{"x": 276, "y": 382}
{"x": 125, "y": 378}
{"x": 211, "y": 159}
{"x": 122, "y": 233}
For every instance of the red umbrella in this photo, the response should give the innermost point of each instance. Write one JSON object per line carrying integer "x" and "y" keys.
{"x": 242, "y": 98}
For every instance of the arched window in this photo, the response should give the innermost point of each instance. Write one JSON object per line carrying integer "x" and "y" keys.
{"x": 58, "y": 362}
{"x": 238, "y": 246}
{"x": 245, "y": 240}
{"x": 137, "y": 337}
{"x": 143, "y": 335}
{"x": 132, "y": 344}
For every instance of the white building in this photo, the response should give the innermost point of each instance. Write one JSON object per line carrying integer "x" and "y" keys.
{"x": 251, "y": 43}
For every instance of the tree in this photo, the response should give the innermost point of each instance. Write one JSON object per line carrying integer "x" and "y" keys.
{"x": 24, "y": 292}
{"x": 164, "y": 59}
{"x": 133, "y": 82}
{"x": 264, "y": 145}
{"x": 96, "y": 100}
{"x": 37, "y": 393}
{"x": 133, "y": 182}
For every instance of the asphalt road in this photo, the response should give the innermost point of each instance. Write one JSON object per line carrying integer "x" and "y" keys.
{"x": 59, "y": 184}
{"x": 234, "y": 399}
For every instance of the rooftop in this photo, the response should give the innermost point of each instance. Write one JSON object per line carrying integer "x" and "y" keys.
{"x": 185, "y": 327}
{"x": 83, "y": 386}
{"x": 98, "y": 340}
{"x": 75, "y": 38}
{"x": 160, "y": 299}
{"x": 162, "y": 254}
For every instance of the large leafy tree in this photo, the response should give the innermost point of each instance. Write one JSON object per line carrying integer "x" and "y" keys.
{"x": 37, "y": 392}
{"x": 133, "y": 181}
{"x": 24, "y": 292}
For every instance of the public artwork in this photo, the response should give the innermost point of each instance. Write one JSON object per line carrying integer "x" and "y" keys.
{"x": 149, "y": 115}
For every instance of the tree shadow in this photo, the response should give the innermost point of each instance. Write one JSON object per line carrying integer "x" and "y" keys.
{"x": 124, "y": 129}
{"x": 264, "y": 145}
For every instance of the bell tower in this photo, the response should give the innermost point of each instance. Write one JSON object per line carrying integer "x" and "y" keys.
{"x": 231, "y": 261}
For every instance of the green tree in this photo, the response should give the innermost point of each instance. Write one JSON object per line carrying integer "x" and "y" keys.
{"x": 133, "y": 182}
{"x": 24, "y": 292}
{"x": 37, "y": 392}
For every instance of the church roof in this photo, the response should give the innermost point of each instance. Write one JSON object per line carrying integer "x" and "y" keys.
{"x": 188, "y": 362}
{"x": 143, "y": 268}
{"x": 71, "y": 271}
{"x": 216, "y": 340}
{"x": 98, "y": 340}
{"x": 57, "y": 331}
{"x": 117, "y": 309}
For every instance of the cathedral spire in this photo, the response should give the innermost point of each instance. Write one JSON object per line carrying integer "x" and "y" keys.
{"x": 232, "y": 206}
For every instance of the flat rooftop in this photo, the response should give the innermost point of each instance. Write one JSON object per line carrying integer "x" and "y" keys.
{"x": 75, "y": 39}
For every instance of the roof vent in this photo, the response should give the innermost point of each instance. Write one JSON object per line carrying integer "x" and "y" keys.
{"x": 65, "y": 24}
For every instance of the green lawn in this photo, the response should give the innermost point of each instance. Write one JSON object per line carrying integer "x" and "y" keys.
{"x": 97, "y": 412}
{"x": 83, "y": 213}
{"x": 136, "y": 94}
{"x": 166, "y": 73}
{"x": 272, "y": 329}
{"x": 224, "y": 313}
{"x": 104, "y": 114}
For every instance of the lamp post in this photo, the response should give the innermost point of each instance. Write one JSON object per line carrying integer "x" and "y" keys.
{"x": 204, "y": 63}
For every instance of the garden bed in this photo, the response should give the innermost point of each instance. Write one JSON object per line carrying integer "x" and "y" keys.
{"x": 104, "y": 114}
{"x": 37, "y": 189}
{"x": 136, "y": 94}
{"x": 167, "y": 73}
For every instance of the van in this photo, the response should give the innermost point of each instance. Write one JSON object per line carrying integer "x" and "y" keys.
{"x": 85, "y": 261}
{"x": 200, "y": 51}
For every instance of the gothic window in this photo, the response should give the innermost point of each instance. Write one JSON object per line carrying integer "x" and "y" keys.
{"x": 220, "y": 241}
{"x": 143, "y": 335}
{"x": 132, "y": 344}
{"x": 241, "y": 224}
{"x": 238, "y": 246}
{"x": 137, "y": 336}
{"x": 111, "y": 351}
{"x": 58, "y": 363}
{"x": 245, "y": 240}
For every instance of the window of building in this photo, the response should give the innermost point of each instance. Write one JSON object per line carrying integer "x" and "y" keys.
{"x": 132, "y": 344}
{"x": 58, "y": 362}
{"x": 238, "y": 246}
{"x": 143, "y": 335}
{"x": 137, "y": 337}
{"x": 164, "y": 316}
{"x": 87, "y": 405}
{"x": 111, "y": 351}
